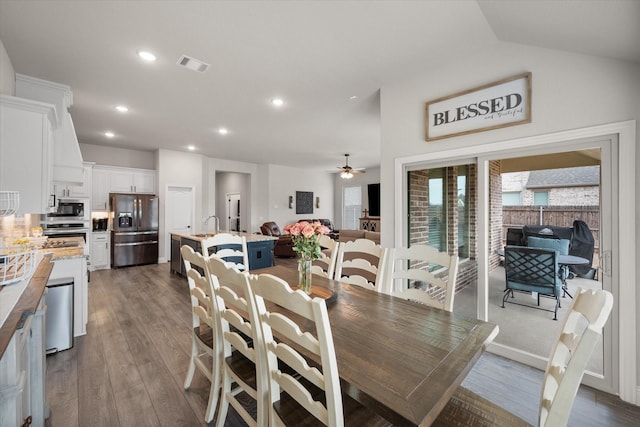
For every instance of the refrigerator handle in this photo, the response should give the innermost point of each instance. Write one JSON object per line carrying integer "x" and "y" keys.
{"x": 139, "y": 213}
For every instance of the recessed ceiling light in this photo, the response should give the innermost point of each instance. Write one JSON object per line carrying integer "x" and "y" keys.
{"x": 122, "y": 108}
{"x": 191, "y": 147}
{"x": 223, "y": 131}
{"x": 277, "y": 102}
{"x": 147, "y": 56}
{"x": 109, "y": 134}
{"x": 353, "y": 97}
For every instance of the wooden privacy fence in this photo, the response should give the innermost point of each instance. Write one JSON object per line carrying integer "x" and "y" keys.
{"x": 561, "y": 216}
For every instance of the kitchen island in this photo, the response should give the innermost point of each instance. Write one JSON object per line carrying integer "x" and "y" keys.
{"x": 23, "y": 329}
{"x": 259, "y": 246}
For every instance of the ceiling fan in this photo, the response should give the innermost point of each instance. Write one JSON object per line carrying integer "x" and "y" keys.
{"x": 348, "y": 171}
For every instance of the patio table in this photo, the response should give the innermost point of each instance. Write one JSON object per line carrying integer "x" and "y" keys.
{"x": 399, "y": 358}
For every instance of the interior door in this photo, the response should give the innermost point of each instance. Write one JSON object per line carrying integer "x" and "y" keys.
{"x": 233, "y": 211}
{"x": 179, "y": 210}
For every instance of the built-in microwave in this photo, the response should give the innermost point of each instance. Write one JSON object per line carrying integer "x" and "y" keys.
{"x": 72, "y": 208}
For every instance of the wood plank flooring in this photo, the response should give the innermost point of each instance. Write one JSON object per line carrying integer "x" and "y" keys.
{"x": 130, "y": 367}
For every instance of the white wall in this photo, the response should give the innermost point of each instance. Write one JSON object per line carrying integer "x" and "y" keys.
{"x": 114, "y": 156}
{"x": 371, "y": 176}
{"x": 8, "y": 75}
{"x": 569, "y": 91}
{"x": 175, "y": 168}
{"x": 284, "y": 181}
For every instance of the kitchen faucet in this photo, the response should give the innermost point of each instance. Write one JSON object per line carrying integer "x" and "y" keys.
{"x": 217, "y": 222}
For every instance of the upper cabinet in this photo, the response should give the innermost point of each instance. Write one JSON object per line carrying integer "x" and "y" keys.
{"x": 26, "y": 151}
{"x": 67, "y": 158}
{"x": 74, "y": 191}
{"x": 111, "y": 179}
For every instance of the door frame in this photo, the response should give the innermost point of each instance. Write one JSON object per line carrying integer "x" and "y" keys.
{"x": 623, "y": 253}
{"x": 227, "y": 197}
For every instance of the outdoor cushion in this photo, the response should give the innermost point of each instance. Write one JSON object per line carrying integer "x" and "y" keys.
{"x": 559, "y": 245}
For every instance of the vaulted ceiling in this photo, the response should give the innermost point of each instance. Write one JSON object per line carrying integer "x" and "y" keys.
{"x": 326, "y": 59}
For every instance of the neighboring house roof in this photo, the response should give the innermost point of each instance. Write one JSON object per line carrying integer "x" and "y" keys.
{"x": 583, "y": 176}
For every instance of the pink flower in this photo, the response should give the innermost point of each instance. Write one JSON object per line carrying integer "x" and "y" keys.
{"x": 307, "y": 230}
{"x": 294, "y": 229}
{"x": 322, "y": 229}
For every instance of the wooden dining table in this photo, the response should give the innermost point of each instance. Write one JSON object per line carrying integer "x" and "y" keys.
{"x": 401, "y": 359}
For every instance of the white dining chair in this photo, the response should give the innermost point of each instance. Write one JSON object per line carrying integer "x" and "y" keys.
{"x": 362, "y": 262}
{"x": 304, "y": 393}
{"x": 325, "y": 265}
{"x": 422, "y": 273}
{"x": 229, "y": 247}
{"x": 205, "y": 337}
{"x": 578, "y": 337}
{"x": 239, "y": 352}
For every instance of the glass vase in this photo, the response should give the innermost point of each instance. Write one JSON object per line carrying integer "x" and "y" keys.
{"x": 304, "y": 275}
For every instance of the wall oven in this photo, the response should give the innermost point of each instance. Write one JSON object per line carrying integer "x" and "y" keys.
{"x": 71, "y": 219}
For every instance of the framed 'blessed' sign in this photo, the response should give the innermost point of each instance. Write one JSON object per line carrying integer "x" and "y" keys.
{"x": 495, "y": 105}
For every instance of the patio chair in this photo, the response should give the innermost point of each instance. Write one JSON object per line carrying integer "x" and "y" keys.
{"x": 580, "y": 333}
{"x": 532, "y": 270}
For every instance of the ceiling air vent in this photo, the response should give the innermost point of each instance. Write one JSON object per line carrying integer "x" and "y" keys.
{"x": 193, "y": 64}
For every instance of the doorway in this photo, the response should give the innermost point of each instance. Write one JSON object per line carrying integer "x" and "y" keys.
{"x": 616, "y": 143}
{"x": 179, "y": 211}
{"x": 233, "y": 211}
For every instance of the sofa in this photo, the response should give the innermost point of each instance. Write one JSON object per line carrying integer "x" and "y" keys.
{"x": 349, "y": 235}
{"x": 333, "y": 233}
{"x": 284, "y": 245}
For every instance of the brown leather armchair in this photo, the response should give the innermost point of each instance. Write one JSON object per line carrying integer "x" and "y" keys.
{"x": 284, "y": 244}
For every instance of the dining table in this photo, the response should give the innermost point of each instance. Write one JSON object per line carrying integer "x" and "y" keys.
{"x": 401, "y": 359}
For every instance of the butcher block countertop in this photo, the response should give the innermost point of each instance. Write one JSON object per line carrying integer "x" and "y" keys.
{"x": 201, "y": 236}
{"x": 24, "y": 296}
{"x": 28, "y": 294}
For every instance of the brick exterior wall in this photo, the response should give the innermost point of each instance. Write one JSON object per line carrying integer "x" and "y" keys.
{"x": 495, "y": 213}
{"x": 419, "y": 215}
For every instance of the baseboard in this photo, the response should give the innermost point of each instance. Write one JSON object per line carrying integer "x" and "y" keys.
{"x": 162, "y": 260}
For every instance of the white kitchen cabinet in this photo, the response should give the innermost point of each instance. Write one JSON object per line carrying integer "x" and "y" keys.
{"x": 132, "y": 181}
{"x": 77, "y": 268}
{"x": 100, "y": 194}
{"x": 26, "y": 156}
{"x": 23, "y": 374}
{"x": 100, "y": 250}
{"x": 70, "y": 190}
{"x": 111, "y": 179}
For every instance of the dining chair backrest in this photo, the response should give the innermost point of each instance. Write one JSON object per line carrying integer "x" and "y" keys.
{"x": 229, "y": 247}
{"x": 579, "y": 335}
{"x": 362, "y": 262}
{"x": 205, "y": 336}
{"x": 325, "y": 266}
{"x": 422, "y": 273}
{"x": 240, "y": 341}
{"x": 313, "y": 334}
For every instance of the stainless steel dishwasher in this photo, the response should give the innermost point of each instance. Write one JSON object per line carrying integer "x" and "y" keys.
{"x": 59, "y": 317}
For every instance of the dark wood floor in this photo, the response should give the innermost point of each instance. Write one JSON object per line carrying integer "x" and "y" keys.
{"x": 129, "y": 368}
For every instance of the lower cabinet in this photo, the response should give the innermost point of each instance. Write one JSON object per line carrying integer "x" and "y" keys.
{"x": 260, "y": 254}
{"x": 100, "y": 251}
{"x": 23, "y": 374}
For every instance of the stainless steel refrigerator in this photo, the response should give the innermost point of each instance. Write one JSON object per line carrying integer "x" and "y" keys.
{"x": 134, "y": 229}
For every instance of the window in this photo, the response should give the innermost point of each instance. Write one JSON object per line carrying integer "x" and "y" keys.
{"x": 351, "y": 207}
{"x": 437, "y": 219}
{"x": 464, "y": 212}
{"x": 541, "y": 198}
{"x": 511, "y": 198}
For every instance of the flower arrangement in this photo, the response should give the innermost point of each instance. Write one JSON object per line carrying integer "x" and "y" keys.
{"x": 305, "y": 237}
